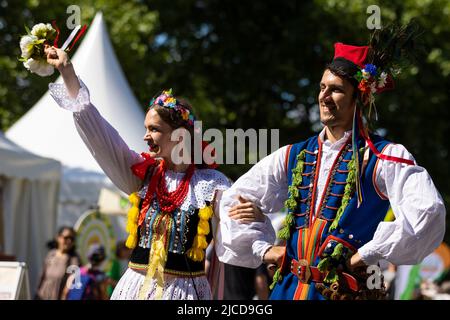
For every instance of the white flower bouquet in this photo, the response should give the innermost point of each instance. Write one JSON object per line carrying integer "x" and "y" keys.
{"x": 32, "y": 48}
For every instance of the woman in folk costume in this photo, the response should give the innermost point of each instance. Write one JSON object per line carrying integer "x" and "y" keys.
{"x": 173, "y": 201}
{"x": 338, "y": 186}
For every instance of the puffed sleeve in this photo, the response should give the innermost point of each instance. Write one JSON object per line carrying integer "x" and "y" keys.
{"x": 265, "y": 184}
{"x": 419, "y": 211}
{"x": 103, "y": 141}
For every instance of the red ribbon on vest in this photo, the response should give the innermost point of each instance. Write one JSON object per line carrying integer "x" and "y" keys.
{"x": 375, "y": 151}
{"x": 140, "y": 169}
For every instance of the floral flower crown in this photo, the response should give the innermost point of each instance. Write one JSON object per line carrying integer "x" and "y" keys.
{"x": 167, "y": 100}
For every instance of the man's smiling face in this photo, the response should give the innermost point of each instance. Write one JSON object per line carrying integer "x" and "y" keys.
{"x": 336, "y": 101}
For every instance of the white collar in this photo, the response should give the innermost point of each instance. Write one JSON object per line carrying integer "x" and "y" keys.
{"x": 336, "y": 144}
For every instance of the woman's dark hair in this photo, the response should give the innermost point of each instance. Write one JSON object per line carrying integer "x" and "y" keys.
{"x": 172, "y": 117}
{"x": 63, "y": 228}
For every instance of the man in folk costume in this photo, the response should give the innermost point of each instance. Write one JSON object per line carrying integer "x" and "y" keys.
{"x": 338, "y": 186}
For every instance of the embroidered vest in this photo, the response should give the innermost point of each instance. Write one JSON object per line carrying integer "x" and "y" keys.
{"x": 313, "y": 235}
{"x": 181, "y": 231}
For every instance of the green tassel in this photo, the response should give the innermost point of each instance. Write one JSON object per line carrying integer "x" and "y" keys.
{"x": 288, "y": 223}
{"x": 337, "y": 252}
{"x": 284, "y": 233}
{"x": 331, "y": 276}
{"x": 301, "y": 155}
{"x": 361, "y": 152}
{"x": 276, "y": 278}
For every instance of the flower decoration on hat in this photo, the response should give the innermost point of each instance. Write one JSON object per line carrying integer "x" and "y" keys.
{"x": 370, "y": 77}
{"x": 372, "y": 81}
{"x": 167, "y": 100}
{"x": 372, "y": 68}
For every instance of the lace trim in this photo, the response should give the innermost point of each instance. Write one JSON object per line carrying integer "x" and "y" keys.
{"x": 205, "y": 182}
{"x": 175, "y": 287}
{"x": 59, "y": 93}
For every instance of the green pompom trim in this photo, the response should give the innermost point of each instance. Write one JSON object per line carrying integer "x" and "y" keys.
{"x": 337, "y": 252}
{"x": 289, "y": 220}
{"x": 293, "y": 190}
{"x": 324, "y": 264}
{"x": 331, "y": 277}
{"x": 329, "y": 264}
{"x": 291, "y": 203}
{"x": 348, "y": 193}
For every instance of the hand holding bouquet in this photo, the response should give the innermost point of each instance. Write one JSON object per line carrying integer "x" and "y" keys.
{"x": 40, "y": 53}
{"x": 33, "y": 46}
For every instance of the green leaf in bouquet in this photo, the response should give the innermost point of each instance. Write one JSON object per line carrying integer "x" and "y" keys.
{"x": 27, "y": 30}
{"x": 38, "y": 50}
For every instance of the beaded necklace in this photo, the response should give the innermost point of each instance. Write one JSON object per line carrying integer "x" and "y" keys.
{"x": 169, "y": 201}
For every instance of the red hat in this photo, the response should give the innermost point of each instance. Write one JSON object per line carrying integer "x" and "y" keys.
{"x": 355, "y": 54}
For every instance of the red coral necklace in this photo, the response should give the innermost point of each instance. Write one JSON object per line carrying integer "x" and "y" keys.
{"x": 169, "y": 201}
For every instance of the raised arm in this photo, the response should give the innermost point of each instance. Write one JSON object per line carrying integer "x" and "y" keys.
{"x": 60, "y": 60}
{"x": 103, "y": 141}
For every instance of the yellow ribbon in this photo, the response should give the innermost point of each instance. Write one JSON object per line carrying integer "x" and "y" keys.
{"x": 132, "y": 222}
{"x": 157, "y": 261}
{"x": 197, "y": 252}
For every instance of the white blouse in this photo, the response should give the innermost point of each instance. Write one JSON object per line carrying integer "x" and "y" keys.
{"x": 418, "y": 207}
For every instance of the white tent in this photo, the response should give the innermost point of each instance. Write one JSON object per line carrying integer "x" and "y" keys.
{"x": 49, "y": 131}
{"x": 28, "y": 204}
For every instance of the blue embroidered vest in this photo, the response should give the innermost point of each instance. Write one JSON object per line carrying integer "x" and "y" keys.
{"x": 310, "y": 238}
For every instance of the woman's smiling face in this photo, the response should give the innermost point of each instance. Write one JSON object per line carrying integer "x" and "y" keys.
{"x": 158, "y": 136}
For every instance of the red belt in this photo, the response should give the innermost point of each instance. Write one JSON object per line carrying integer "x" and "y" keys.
{"x": 306, "y": 273}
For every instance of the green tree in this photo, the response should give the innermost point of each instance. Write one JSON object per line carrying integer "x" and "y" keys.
{"x": 252, "y": 64}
